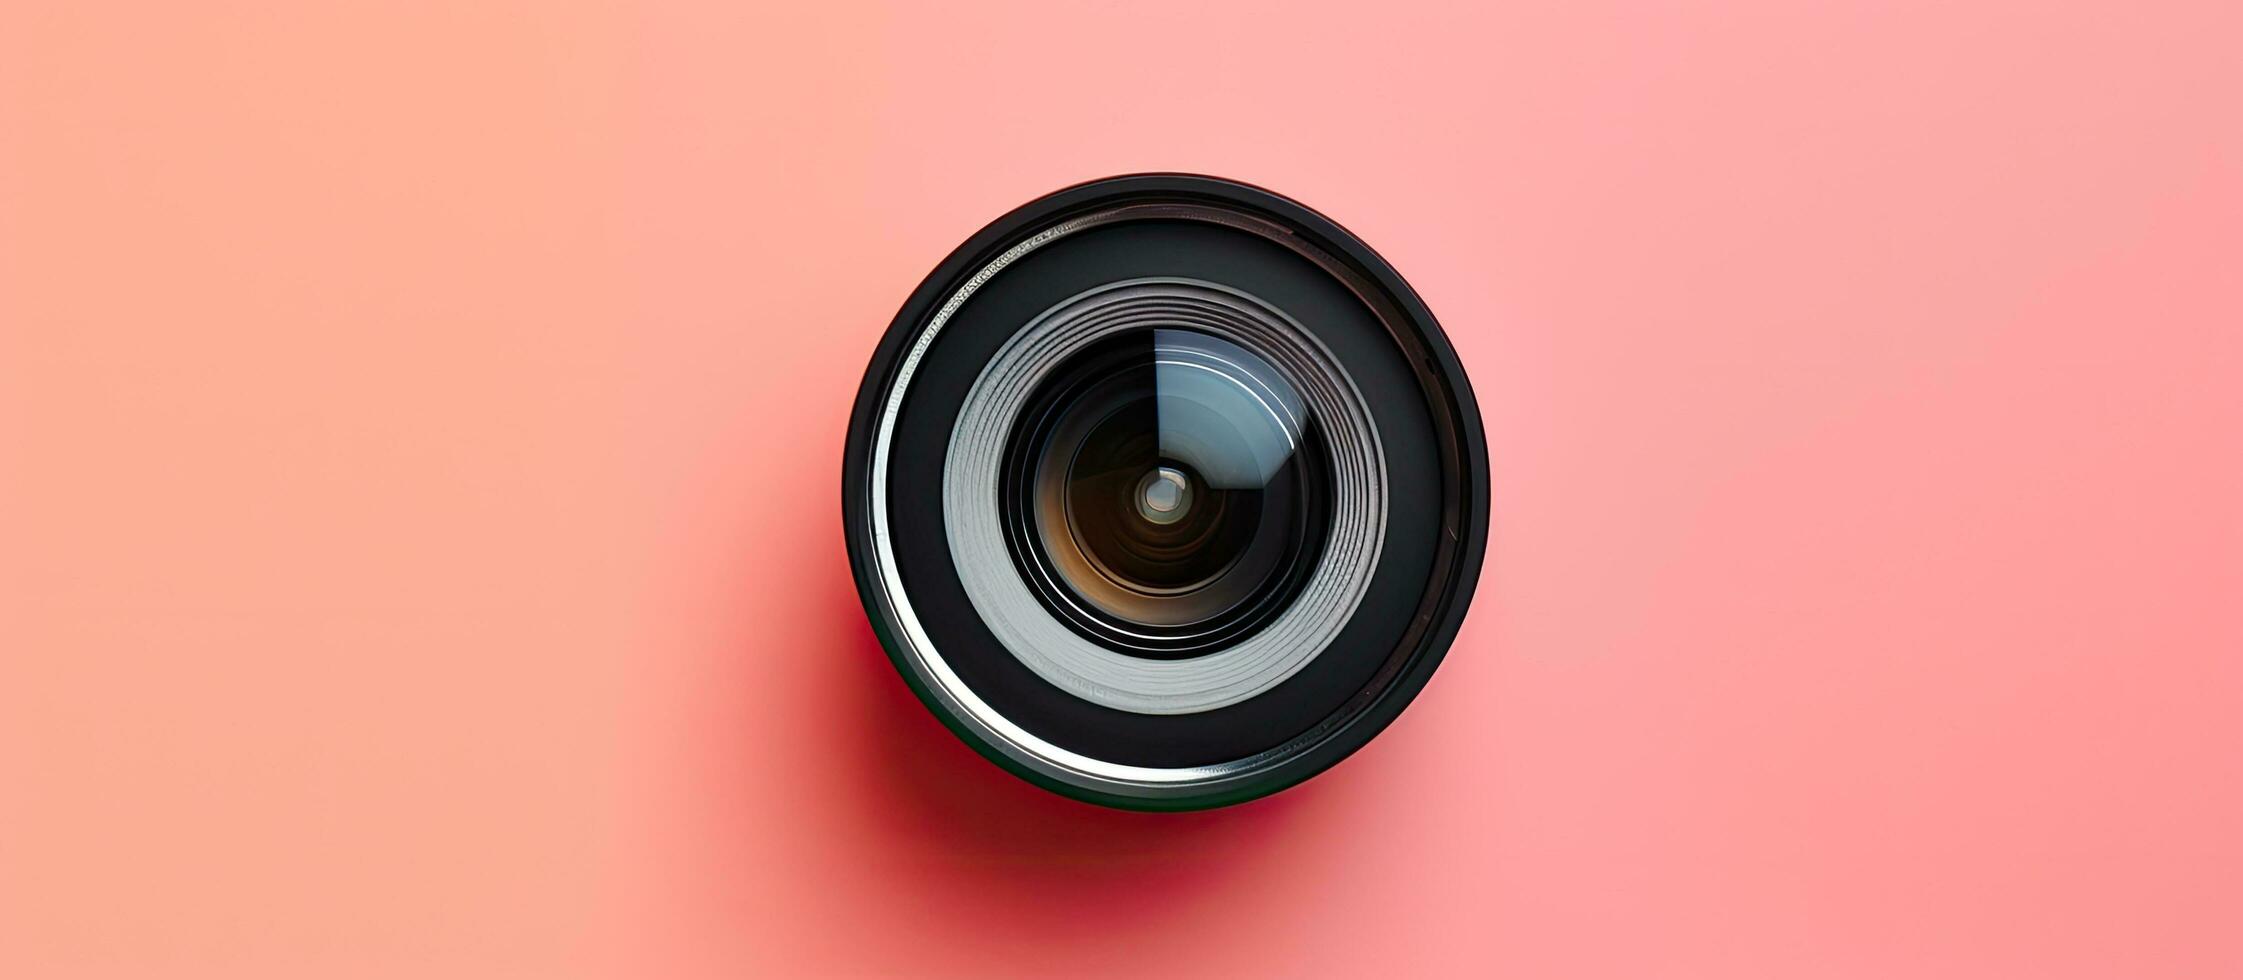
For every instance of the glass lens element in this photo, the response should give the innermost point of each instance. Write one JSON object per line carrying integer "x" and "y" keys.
{"x": 1166, "y": 492}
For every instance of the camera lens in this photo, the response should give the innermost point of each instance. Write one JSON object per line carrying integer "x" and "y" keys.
{"x": 1165, "y": 492}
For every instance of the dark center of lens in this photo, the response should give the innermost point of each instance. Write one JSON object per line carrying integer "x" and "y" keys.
{"x": 1166, "y": 492}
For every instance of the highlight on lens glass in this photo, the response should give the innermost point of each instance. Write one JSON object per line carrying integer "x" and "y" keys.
{"x": 1165, "y": 492}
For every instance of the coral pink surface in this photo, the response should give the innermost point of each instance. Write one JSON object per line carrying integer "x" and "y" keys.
{"x": 420, "y": 434}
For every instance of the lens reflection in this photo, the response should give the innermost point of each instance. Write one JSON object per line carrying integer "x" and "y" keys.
{"x": 1166, "y": 492}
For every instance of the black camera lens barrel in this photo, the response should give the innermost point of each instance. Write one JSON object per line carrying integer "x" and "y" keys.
{"x": 1165, "y": 492}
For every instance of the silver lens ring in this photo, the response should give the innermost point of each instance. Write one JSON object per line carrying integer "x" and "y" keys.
{"x": 1066, "y": 658}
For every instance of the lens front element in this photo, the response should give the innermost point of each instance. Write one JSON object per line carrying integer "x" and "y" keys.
{"x": 1171, "y": 492}
{"x": 1225, "y": 421}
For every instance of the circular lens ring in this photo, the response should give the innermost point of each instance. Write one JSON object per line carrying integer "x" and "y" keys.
{"x": 1075, "y": 549}
{"x": 1458, "y": 450}
{"x": 1090, "y": 656}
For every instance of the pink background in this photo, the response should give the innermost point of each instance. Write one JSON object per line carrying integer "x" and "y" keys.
{"x": 420, "y": 428}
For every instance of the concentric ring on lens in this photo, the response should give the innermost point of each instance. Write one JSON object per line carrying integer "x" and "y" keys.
{"x": 1166, "y": 491}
